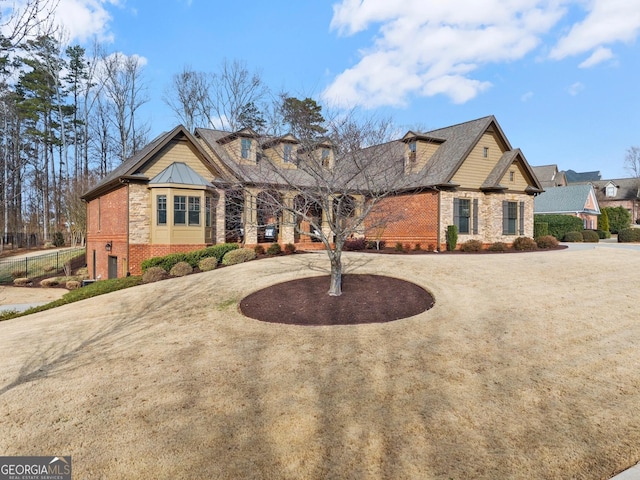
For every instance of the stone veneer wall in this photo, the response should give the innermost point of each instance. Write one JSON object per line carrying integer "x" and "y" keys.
{"x": 489, "y": 216}
{"x": 139, "y": 214}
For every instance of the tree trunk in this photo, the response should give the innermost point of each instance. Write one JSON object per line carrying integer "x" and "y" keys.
{"x": 335, "y": 287}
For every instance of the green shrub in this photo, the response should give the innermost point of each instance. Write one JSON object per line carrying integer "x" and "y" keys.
{"x": 525, "y": 244}
{"x": 560, "y": 224}
{"x": 289, "y": 248}
{"x": 590, "y": 236}
{"x": 181, "y": 269}
{"x": 154, "y": 274}
{"x": 58, "y": 239}
{"x": 452, "y": 237}
{"x": 399, "y": 247}
{"x": 375, "y": 244}
{"x": 207, "y": 264}
{"x": 573, "y": 237}
{"x": 619, "y": 218}
{"x": 274, "y": 249}
{"x": 240, "y": 255}
{"x": 471, "y": 246}
{"x": 547, "y": 241}
{"x": 192, "y": 258}
{"x": 602, "y": 234}
{"x": 629, "y": 235}
{"x": 540, "y": 229}
{"x": 259, "y": 249}
{"x": 603, "y": 221}
{"x": 498, "y": 247}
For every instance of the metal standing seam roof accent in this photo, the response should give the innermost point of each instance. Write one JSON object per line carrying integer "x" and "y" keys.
{"x": 180, "y": 173}
{"x": 569, "y": 199}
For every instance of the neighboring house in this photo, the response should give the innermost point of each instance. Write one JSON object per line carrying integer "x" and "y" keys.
{"x": 581, "y": 177}
{"x": 621, "y": 192}
{"x": 550, "y": 176}
{"x": 577, "y": 200}
{"x": 183, "y": 192}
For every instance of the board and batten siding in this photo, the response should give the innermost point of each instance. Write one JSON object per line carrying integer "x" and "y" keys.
{"x": 476, "y": 168}
{"x": 177, "y": 151}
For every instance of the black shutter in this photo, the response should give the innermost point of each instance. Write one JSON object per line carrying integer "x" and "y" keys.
{"x": 505, "y": 217}
{"x": 475, "y": 216}
{"x": 521, "y": 218}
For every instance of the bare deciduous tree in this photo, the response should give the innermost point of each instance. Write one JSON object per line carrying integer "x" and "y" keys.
{"x": 188, "y": 96}
{"x": 338, "y": 188}
{"x": 632, "y": 161}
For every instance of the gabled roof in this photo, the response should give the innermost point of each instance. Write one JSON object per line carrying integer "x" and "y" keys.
{"x": 578, "y": 177}
{"x": 130, "y": 169}
{"x": 569, "y": 199}
{"x": 549, "y": 175}
{"x": 627, "y": 189}
{"x": 499, "y": 171}
{"x": 180, "y": 173}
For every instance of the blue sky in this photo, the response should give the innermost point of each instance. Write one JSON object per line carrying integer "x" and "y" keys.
{"x": 561, "y": 76}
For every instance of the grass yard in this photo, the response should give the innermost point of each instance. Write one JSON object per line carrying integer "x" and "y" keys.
{"x": 528, "y": 366}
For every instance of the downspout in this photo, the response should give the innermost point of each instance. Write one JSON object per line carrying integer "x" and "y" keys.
{"x": 439, "y": 215}
{"x": 126, "y": 182}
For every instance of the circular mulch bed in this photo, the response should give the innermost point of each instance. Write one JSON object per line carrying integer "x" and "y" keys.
{"x": 365, "y": 299}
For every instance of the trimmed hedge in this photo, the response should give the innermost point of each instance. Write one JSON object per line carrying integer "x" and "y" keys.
{"x": 590, "y": 236}
{"x": 498, "y": 247}
{"x": 559, "y": 225}
{"x": 525, "y": 244}
{"x": 452, "y": 237}
{"x": 619, "y": 218}
{"x": 471, "y": 246}
{"x": 181, "y": 269}
{"x": 540, "y": 229}
{"x": 239, "y": 256}
{"x": 629, "y": 235}
{"x": 573, "y": 237}
{"x": 547, "y": 241}
{"x": 192, "y": 258}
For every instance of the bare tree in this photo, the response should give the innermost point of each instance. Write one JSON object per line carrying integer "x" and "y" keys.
{"x": 632, "y": 161}
{"x": 189, "y": 97}
{"x": 338, "y": 189}
{"x": 235, "y": 90}
{"x": 125, "y": 89}
{"x": 26, "y": 19}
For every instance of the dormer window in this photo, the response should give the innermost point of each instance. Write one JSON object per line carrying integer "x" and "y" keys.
{"x": 325, "y": 157}
{"x": 412, "y": 151}
{"x": 611, "y": 190}
{"x": 288, "y": 153}
{"x": 246, "y": 148}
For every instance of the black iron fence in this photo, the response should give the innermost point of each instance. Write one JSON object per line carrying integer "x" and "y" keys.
{"x": 39, "y": 265}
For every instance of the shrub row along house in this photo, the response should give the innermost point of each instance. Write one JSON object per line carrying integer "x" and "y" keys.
{"x": 185, "y": 191}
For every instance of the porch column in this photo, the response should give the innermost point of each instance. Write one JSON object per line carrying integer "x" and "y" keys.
{"x": 288, "y": 220}
{"x": 220, "y": 223}
{"x": 250, "y": 218}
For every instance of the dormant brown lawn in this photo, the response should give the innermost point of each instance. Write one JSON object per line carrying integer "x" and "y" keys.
{"x": 527, "y": 367}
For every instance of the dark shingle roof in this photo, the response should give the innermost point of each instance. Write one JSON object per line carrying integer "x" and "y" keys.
{"x": 628, "y": 188}
{"x": 578, "y": 177}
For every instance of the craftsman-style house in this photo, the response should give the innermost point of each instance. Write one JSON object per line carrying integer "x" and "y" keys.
{"x": 185, "y": 191}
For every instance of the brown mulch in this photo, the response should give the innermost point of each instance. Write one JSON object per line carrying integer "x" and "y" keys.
{"x": 364, "y": 299}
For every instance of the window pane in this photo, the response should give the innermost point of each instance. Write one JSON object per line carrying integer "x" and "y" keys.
{"x": 246, "y": 147}
{"x": 512, "y": 218}
{"x": 207, "y": 211}
{"x": 464, "y": 212}
{"x": 179, "y": 210}
{"x": 194, "y": 210}
{"x": 162, "y": 210}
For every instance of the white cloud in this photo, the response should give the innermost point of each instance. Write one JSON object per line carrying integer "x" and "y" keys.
{"x": 576, "y": 88}
{"x": 606, "y": 22}
{"x": 600, "y": 55}
{"x": 432, "y": 47}
{"x": 84, "y": 19}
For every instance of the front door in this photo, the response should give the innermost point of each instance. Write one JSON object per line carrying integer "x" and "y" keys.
{"x": 113, "y": 267}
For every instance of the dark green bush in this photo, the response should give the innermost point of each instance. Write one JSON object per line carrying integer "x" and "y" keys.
{"x": 354, "y": 244}
{"x": 274, "y": 249}
{"x": 289, "y": 248}
{"x": 540, "y": 229}
{"x": 573, "y": 237}
{"x": 546, "y": 241}
{"x": 375, "y": 244}
{"x": 58, "y": 239}
{"x": 629, "y": 235}
{"x": 452, "y": 237}
{"x": 525, "y": 244}
{"x": 603, "y": 221}
{"x": 558, "y": 225}
{"x": 498, "y": 247}
{"x": 192, "y": 258}
{"x": 399, "y": 247}
{"x": 590, "y": 236}
{"x": 619, "y": 218}
{"x": 471, "y": 246}
{"x": 602, "y": 234}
